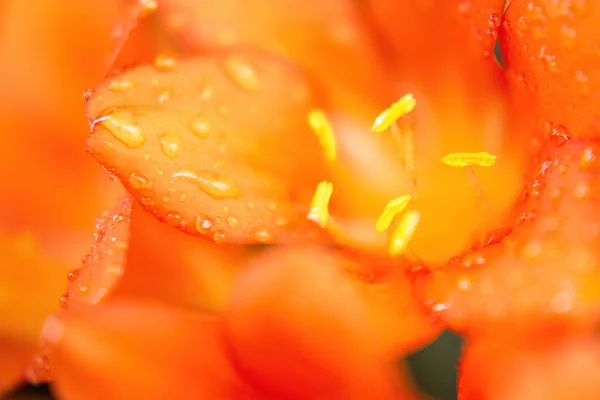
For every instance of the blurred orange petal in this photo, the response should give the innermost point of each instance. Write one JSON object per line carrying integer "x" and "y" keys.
{"x": 550, "y": 48}
{"x": 125, "y": 350}
{"x": 301, "y": 326}
{"x": 164, "y": 263}
{"x": 495, "y": 368}
{"x": 30, "y": 285}
{"x": 546, "y": 273}
{"x": 423, "y": 38}
{"x": 213, "y": 145}
{"x": 13, "y": 362}
{"x": 329, "y": 39}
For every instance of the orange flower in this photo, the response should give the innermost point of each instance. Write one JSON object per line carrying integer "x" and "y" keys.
{"x": 265, "y": 135}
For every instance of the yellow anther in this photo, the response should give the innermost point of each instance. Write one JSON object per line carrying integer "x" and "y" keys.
{"x": 319, "y": 206}
{"x": 393, "y": 208}
{"x": 461, "y": 160}
{"x": 321, "y": 126}
{"x": 403, "y": 232}
{"x": 397, "y": 110}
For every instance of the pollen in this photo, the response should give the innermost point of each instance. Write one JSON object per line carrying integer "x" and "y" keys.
{"x": 461, "y": 160}
{"x": 393, "y": 208}
{"x": 403, "y": 232}
{"x": 320, "y": 125}
{"x": 319, "y": 206}
{"x": 391, "y": 114}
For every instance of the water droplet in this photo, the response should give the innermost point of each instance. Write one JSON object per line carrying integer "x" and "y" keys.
{"x": 148, "y": 7}
{"x": 217, "y": 186}
{"x": 138, "y": 181}
{"x": 558, "y": 134}
{"x": 122, "y": 125}
{"x": 165, "y": 62}
{"x": 200, "y": 127}
{"x": 119, "y": 85}
{"x": 174, "y": 219}
{"x": 587, "y": 157}
{"x": 164, "y": 96}
{"x": 87, "y": 94}
{"x": 203, "y": 224}
{"x": 171, "y": 145}
{"x": 73, "y": 275}
{"x": 241, "y": 73}
{"x": 220, "y": 236}
{"x": 263, "y": 235}
{"x": 232, "y": 221}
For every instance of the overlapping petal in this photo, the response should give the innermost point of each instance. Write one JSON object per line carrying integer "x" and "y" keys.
{"x": 545, "y": 274}
{"x": 164, "y": 263}
{"x": 213, "y": 145}
{"x": 495, "y": 368}
{"x": 329, "y": 39}
{"x": 129, "y": 349}
{"x": 308, "y": 322}
{"x": 551, "y": 49}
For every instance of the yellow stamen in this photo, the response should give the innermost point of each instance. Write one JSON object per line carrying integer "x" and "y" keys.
{"x": 397, "y": 110}
{"x": 403, "y": 232}
{"x": 319, "y": 206}
{"x": 461, "y": 160}
{"x": 321, "y": 126}
{"x": 393, "y": 208}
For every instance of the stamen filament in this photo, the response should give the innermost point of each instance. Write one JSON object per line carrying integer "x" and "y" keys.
{"x": 393, "y": 208}
{"x": 319, "y": 123}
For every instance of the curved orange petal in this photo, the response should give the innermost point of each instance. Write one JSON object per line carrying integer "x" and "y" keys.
{"x": 30, "y": 285}
{"x": 166, "y": 264}
{"x": 13, "y": 363}
{"x": 214, "y": 145}
{"x": 302, "y": 325}
{"x": 438, "y": 45}
{"x": 123, "y": 350}
{"x": 550, "y": 48}
{"x": 329, "y": 39}
{"x": 546, "y": 273}
{"x": 102, "y": 267}
{"x": 540, "y": 369}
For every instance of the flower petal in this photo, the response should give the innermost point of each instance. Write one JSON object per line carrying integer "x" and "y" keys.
{"x": 164, "y": 263}
{"x": 14, "y": 360}
{"x": 123, "y": 350}
{"x": 329, "y": 39}
{"x": 102, "y": 267}
{"x": 423, "y": 38}
{"x": 550, "y": 48}
{"x": 304, "y": 324}
{"x": 546, "y": 273}
{"x": 215, "y": 142}
{"x": 539, "y": 369}
{"x": 30, "y": 285}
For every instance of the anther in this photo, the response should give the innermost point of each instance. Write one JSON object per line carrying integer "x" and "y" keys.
{"x": 403, "y": 233}
{"x": 391, "y": 210}
{"x": 319, "y": 206}
{"x": 319, "y": 123}
{"x": 391, "y": 114}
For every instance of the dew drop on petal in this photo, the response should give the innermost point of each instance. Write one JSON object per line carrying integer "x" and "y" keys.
{"x": 215, "y": 185}
{"x": 171, "y": 145}
{"x": 200, "y": 127}
{"x": 123, "y": 126}
{"x": 241, "y": 73}
{"x": 165, "y": 62}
